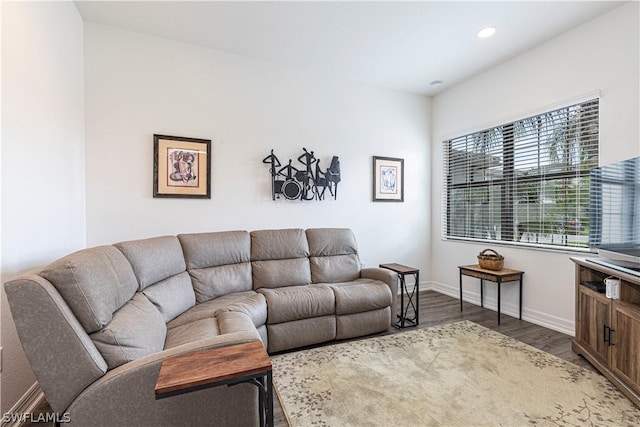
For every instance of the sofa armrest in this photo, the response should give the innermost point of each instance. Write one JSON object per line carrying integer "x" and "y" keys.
{"x": 126, "y": 395}
{"x": 390, "y": 278}
{"x": 387, "y": 276}
{"x": 53, "y": 340}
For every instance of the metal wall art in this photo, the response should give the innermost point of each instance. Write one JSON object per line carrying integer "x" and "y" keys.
{"x": 181, "y": 167}
{"x": 307, "y": 181}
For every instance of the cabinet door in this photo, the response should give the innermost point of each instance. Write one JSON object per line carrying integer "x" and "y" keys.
{"x": 626, "y": 344}
{"x": 593, "y": 316}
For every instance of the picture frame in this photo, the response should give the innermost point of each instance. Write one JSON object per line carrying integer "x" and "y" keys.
{"x": 181, "y": 167}
{"x": 388, "y": 179}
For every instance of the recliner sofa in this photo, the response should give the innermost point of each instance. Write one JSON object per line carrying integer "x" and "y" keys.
{"x": 96, "y": 324}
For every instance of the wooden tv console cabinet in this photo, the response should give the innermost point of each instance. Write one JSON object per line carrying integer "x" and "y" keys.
{"x": 608, "y": 330}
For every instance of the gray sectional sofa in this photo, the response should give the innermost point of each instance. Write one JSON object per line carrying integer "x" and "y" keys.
{"x": 96, "y": 324}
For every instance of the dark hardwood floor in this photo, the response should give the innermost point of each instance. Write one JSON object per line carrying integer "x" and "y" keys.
{"x": 438, "y": 309}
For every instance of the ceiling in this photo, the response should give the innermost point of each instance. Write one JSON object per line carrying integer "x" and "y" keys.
{"x": 398, "y": 45}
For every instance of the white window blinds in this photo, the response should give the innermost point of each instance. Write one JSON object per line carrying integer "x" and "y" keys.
{"x": 614, "y": 206}
{"x": 525, "y": 182}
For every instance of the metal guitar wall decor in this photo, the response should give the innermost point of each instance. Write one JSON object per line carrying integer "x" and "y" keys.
{"x": 306, "y": 182}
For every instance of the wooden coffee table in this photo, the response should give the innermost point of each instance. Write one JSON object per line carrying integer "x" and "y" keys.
{"x": 231, "y": 365}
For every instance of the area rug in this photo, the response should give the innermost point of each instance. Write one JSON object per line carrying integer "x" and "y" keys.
{"x": 460, "y": 374}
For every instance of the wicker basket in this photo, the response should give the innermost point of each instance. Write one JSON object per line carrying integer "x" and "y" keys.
{"x": 490, "y": 260}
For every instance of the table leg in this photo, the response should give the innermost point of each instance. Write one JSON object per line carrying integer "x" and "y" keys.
{"x": 269, "y": 407}
{"x": 481, "y": 292}
{"x": 417, "y": 290}
{"x": 499, "y": 286}
{"x": 460, "y": 290}
{"x": 264, "y": 383}
{"x": 403, "y": 289}
{"x": 262, "y": 396}
{"x": 520, "y": 298}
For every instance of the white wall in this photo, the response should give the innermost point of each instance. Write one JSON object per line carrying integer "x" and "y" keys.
{"x": 137, "y": 85}
{"x": 43, "y": 188}
{"x": 603, "y": 55}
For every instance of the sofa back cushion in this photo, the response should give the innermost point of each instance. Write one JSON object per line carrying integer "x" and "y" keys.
{"x": 333, "y": 255}
{"x": 172, "y": 296}
{"x": 155, "y": 259}
{"x": 218, "y": 263}
{"x": 136, "y": 330}
{"x": 94, "y": 283}
{"x": 279, "y": 258}
{"x": 159, "y": 267}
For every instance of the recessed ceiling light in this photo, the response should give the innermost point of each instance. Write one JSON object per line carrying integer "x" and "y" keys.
{"x": 486, "y": 32}
{"x": 436, "y": 83}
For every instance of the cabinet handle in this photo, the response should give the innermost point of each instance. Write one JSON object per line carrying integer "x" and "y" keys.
{"x": 607, "y": 335}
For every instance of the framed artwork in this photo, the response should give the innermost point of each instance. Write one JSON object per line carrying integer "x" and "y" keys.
{"x": 181, "y": 167}
{"x": 388, "y": 179}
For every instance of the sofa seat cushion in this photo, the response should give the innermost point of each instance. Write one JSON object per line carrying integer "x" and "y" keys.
{"x": 198, "y": 330}
{"x": 136, "y": 330}
{"x": 361, "y": 324}
{"x": 300, "y": 333}
{"x": 230, "y": 322}
{"x": 298, "y": 302}
{"x": 252, "y": 303}
{"x": 361, "y": 295}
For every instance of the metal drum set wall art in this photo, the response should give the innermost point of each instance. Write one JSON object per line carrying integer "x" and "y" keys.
{"x": 304, "y": 180}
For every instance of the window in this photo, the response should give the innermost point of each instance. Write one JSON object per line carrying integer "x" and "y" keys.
{"x": 525, "y": 182}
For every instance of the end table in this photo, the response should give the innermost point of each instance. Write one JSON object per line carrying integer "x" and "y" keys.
{"x": 234, "y": 364}
{"x": 500, "y": 276}
{"x": 413, "y": 297}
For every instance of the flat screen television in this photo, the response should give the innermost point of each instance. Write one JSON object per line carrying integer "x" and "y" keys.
{"x": 614, "y": 215}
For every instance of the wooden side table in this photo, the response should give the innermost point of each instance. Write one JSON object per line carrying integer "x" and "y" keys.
{"x": 500, "y": 276}
{"x": 235, "y": 364}
{"x": 413, "y": 297}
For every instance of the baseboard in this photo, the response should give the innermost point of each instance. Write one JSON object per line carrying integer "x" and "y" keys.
{"x": 19, "y": 414}
{"x": 534, "y": 316}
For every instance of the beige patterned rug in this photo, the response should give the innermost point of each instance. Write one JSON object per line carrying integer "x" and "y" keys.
{"x": 460, "y": 374}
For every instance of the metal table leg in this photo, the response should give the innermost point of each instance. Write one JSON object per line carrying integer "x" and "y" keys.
{"x": 403, "y": 310}
{"x": 499, "y": 287}
{"x": 460, "y": 290}
{"x": 520, "y": 300}
{"x": 416, "y": 290}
